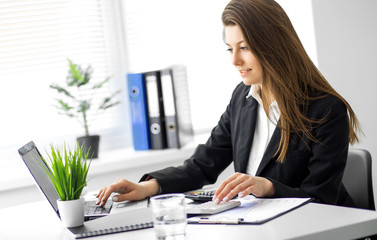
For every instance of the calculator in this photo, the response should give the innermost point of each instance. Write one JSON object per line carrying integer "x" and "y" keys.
{"x": 210, "y": 207}
{"x": 200, "y": 195}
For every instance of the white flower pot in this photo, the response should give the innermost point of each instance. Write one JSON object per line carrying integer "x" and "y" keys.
{"x": 71, "y": 212}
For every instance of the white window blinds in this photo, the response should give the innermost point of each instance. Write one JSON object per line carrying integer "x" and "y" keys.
{"x": 36, "y": 38}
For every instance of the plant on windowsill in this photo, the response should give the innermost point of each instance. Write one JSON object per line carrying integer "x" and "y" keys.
{"x": 67, "y": 171}
{"x": 78, "y": 102}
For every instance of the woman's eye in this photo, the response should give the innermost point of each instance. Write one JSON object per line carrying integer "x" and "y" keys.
{"x": 229, "y": 50}
{"x": 244, "y": 48}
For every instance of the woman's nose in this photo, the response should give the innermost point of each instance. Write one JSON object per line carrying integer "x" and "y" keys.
{"x": 236, "y": 59}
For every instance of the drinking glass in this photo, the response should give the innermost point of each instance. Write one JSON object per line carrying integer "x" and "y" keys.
{"x": 169, "y": 216}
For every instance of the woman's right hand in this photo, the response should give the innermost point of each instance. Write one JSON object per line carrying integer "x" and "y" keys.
{"x": 128, "y": 191}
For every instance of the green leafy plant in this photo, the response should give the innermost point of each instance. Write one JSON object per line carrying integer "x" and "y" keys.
{"x": 67, "y": 171}
{"x": 78, "y": 105}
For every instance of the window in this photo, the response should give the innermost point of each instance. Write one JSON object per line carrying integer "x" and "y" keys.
{"x": 36, "y": 39}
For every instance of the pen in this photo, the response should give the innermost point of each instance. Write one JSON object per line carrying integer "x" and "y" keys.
{"x": 221, "y": 221}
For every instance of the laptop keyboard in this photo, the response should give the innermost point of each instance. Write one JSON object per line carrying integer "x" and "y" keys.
{"x": 92, "y": 209}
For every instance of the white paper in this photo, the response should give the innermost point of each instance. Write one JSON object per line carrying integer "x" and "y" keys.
{"x": 254, "y": 210}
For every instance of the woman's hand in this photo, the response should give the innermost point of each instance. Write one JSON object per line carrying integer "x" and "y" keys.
{"x": 243, "y": 185}
{"x": 128, "y": 191}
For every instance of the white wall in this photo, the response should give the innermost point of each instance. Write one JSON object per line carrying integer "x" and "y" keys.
{"x": 346, "y": 36}
{"x": 300, "y": 12}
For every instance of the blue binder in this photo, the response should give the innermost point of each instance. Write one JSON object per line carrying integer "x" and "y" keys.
{"x": 138, "y": 111}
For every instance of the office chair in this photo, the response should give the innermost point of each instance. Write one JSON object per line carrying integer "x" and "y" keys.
{"x": 357, "y": 178}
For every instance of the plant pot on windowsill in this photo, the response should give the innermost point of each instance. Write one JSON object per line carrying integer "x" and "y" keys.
{"x": 90, "y": 144}
{"x": 78, "y": 102}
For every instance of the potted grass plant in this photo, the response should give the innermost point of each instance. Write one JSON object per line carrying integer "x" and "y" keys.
{"x": 67, "y": 171}
{"x": 77, "y": 102}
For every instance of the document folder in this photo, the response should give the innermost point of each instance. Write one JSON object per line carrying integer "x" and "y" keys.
{"x": 138, "y": 111}
{"x": 171, "y": 121}
{"x": 177, "y": 106}
{"x": 156, "y": 113}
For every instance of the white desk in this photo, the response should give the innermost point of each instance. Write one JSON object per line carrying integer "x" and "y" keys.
{"x": 312, "y": 221}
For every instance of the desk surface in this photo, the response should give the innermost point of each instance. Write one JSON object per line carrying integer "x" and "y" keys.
{"x": 312, "y": 221}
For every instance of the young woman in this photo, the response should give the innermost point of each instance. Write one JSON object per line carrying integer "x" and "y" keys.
{"x": 285, "y": 129}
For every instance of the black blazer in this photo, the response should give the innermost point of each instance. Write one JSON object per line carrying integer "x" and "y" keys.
{"x": 306, "y": 172}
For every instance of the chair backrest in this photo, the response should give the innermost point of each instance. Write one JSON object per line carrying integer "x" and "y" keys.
{"x": 357, "y": 178}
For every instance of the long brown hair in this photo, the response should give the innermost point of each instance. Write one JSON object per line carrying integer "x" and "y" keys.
{"x": 286, "y": 67}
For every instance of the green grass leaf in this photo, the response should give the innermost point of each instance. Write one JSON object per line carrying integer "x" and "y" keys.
{"x": 67, "y": 171}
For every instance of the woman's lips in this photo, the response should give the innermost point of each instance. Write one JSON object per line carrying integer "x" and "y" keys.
{"x": 244, "y": 72}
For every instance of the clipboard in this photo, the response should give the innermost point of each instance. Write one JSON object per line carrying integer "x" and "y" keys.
{"x": 252, "y": 211}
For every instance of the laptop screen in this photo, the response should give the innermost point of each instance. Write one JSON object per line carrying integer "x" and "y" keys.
{"x": 33, "y": 160}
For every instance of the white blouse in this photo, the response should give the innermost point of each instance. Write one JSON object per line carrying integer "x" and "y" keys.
{"x": 264, "y": 129}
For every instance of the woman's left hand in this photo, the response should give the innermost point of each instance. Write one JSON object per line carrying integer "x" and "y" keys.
{"x": 243, "y": 185}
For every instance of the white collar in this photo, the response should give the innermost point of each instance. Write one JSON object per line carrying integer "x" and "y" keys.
{"x": 255, "y": 93}
{"x": 273, "y": 109}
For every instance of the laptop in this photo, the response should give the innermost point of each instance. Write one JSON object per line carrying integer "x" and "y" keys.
{"x": 33, "y": 161}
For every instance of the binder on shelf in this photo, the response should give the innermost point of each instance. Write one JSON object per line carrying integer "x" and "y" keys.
{"x": 138, "y": 111}
{"x": 156, "y": 113}
{"x": 177, "y": 106}
{"x": 182, "y": 99}
{"x": 171, "y": 123}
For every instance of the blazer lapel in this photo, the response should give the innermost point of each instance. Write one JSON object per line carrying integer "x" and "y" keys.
{"x": 249, "y": 116}
{"x": 270, "y": 150}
